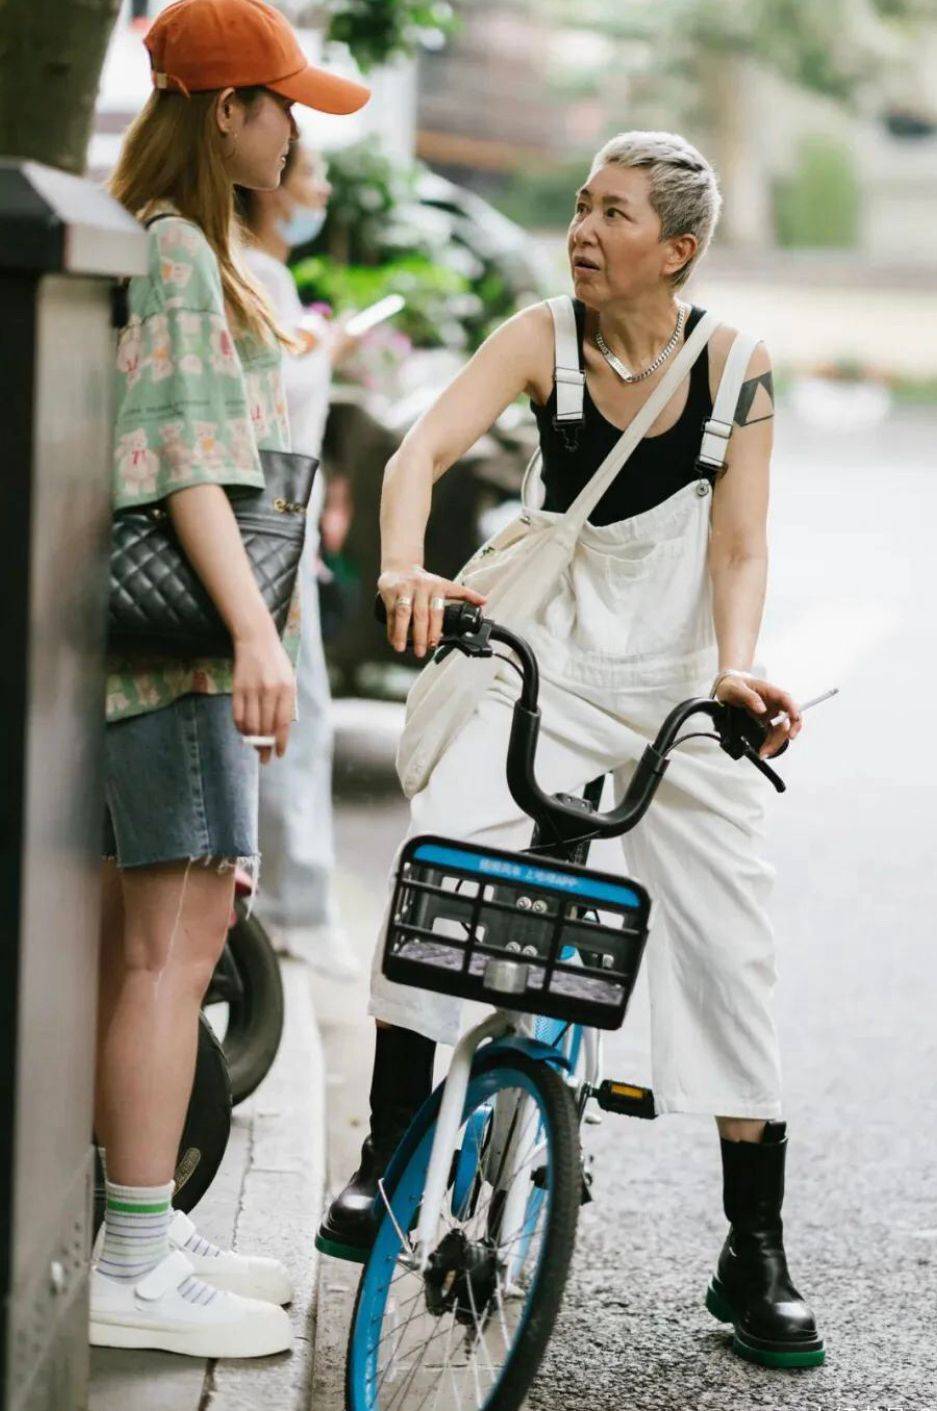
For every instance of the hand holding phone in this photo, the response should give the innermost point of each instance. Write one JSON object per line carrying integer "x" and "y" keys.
{"x": 366, "y": 319}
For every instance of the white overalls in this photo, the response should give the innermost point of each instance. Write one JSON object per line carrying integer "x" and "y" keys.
{"x": 628, "y": 634}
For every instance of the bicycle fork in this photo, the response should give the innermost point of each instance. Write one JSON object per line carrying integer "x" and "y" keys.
{"x": 448, "y": 1124}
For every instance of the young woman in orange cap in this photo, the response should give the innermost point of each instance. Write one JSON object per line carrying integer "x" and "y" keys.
{"x": 199, "y": 395}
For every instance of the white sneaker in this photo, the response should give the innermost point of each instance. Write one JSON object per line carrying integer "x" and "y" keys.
{"x": 251, "y": 1275}
{"x": 325, "y": 949}
{"x": 169, "y": 1309}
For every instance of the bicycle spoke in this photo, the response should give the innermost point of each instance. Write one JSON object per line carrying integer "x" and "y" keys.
{"x": 433, "y": 1337}
{"x": 406, "y": 1304}
{"x": 446, "y": 1364}
{"x": 399, "y": 1342}
{"x": 501, "y": 1318}
{"x": 479, "y": 1341}
{"x": 405, "y": 1242}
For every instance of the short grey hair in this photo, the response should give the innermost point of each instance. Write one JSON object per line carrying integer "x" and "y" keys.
{"x": 684, "y": 191}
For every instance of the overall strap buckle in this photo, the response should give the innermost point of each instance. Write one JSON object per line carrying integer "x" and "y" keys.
{"x": 713, "y": 449}
{"x": 570, "y": 383}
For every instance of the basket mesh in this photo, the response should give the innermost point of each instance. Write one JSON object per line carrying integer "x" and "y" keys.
{"x": 517, "y": 931}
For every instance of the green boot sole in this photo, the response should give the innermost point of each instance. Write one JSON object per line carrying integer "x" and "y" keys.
{"x": 721, "y": 1309}
{"x": 353, "y": 1253}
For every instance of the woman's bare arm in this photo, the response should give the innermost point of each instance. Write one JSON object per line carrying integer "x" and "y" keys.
{"x": 738, "y": 550}
{"x": 264, "y": 685}
{"x": 508, "y": 364}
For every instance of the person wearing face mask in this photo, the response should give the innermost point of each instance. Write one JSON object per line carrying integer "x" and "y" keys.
{"x": 296, "y": 832}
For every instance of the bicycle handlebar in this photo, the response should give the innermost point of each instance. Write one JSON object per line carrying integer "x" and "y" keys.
{"x": 467, "y": 630}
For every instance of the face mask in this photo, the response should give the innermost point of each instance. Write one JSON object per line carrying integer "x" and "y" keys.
{"x": 303, "y": 225}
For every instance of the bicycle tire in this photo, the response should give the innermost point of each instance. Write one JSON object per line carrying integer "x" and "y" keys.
{"x": 490, "y": 1074}
{"x": 255, "y": 1021}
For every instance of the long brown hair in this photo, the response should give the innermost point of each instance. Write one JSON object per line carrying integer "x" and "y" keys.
{"x": 172, "y": 152}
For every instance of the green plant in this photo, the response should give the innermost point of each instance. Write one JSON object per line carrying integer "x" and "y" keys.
{"x": 819, "y": 204}
{"x": 370, "y": 194}
{"x": 386, "y": 233}
{"x": 439, "y": 304}
{"x": 377, "y": 30}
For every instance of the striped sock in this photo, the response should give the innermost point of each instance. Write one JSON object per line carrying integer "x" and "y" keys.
{"x": 136, "y": 1229}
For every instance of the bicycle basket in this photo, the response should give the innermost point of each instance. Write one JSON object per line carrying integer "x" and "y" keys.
{"x": 516, "y": 931}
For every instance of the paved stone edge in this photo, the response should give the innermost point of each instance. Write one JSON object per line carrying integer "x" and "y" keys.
{"x": 280, "y": 1204}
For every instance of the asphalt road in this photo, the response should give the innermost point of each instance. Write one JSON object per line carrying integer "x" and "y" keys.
{"x": 853, "y": 588}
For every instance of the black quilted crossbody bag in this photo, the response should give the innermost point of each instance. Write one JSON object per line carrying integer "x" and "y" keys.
{"x": 158, "y": 604}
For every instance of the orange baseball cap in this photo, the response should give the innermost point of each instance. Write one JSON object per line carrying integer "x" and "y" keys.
{"x": 197, "y": 45}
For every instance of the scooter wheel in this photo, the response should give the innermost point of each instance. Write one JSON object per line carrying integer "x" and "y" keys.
{"x": 207, "y": 1124}
{"x": 255, "y": 1018}
{"x": 205, "y": 1135}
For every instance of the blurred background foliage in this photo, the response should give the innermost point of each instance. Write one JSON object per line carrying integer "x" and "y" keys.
{"x": 378, "y": 31}
{"x": 691, "y": 65}
{"x": 832, "y": 48}
{"x": 395, "y": 228}
{"x": 818, "y": 205}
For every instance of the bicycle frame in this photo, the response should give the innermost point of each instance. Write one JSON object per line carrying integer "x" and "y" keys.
{"x": 506, "y": 1025}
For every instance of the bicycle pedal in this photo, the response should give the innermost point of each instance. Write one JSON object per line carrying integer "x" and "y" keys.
{"x": 628, "y": 1099}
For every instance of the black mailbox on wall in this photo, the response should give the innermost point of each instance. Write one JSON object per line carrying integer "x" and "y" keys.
{"x": 63, "y": 244}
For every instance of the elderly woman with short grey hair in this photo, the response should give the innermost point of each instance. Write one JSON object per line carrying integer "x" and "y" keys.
{"x": 662, "y": 601}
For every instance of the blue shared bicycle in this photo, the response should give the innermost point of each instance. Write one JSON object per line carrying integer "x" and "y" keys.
{"x": 478, "y": 1208}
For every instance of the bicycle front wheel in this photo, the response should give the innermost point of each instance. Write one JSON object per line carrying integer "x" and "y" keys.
{"x": 471, "y": 1329}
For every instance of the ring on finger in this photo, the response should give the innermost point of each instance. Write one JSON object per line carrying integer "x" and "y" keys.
{"x": 437, "y": 604}
{"x": 404, "y": 603}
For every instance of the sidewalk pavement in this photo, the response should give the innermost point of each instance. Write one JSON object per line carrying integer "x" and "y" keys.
{"x": 347, "y": 1039}
{"x": 371, "y": 817}
{"x": 266, "y": 1198}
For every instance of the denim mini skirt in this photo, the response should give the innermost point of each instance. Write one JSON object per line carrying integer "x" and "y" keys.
{"x": 179, "y": 784}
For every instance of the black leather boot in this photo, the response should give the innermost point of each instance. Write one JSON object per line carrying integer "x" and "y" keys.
{"x": 401, "y": 1081}
{"x": 752, "y": 1288}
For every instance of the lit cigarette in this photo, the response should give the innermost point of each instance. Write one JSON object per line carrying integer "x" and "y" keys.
{"x": 817, "y": 700}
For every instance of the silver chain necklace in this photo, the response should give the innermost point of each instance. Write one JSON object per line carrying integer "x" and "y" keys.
{"x": 625, "y": 373}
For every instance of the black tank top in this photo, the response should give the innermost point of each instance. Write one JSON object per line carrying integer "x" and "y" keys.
{"x": 658, "y": 467}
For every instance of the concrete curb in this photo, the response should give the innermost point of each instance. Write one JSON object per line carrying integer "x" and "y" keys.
{"x": 348, "y": 1041}
{"x": 266, "y": 1198}
{"x": 280, "y": 1204}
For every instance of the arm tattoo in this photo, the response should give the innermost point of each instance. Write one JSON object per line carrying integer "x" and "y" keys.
{"x": 756, "y": 400}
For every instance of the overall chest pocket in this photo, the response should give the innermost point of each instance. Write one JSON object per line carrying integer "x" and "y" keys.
{"x": 623, "y": 566}
{"x": 642, "y": 597}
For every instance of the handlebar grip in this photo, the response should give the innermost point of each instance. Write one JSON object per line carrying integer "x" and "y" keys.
{"x": 458, "y": 616}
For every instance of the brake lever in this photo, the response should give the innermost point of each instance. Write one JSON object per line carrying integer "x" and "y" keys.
{"x": 741, "y": 734}
{"x": 764, "y": 768}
